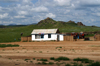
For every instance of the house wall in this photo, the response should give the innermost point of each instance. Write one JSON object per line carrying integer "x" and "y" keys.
{"x": 61, "y": 38}
{"x": 53, "y": 37}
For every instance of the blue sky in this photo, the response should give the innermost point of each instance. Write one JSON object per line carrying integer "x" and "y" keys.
{"x": 32, "y": 11}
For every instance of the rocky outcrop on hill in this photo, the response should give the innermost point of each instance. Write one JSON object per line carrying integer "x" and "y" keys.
{"x": 70, "y": 21}
{"x": 50, "y": 22}
{"x": 46, "y": 21}
{"x": 80, "y": 24}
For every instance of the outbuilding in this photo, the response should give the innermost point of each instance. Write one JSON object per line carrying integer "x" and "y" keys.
{"x": 46, "y": 35}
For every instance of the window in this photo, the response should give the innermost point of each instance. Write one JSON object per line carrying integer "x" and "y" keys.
{"x": 42, "y": 35}
{"x": 37, "y": 36}
{"x": 49, "y": 35}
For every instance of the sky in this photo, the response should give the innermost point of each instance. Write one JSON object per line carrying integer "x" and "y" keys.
{"x": 32, "y": 11}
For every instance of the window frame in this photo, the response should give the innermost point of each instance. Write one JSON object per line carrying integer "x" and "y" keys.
{"x": 49, "y": 35}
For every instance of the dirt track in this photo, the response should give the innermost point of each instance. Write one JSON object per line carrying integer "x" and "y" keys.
{"x": 15, "y": 56}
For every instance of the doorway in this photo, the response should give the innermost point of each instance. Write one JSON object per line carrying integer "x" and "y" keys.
{"x": 58, "y": 37}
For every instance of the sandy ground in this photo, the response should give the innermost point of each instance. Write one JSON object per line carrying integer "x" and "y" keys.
{"x": 15, "y": 56}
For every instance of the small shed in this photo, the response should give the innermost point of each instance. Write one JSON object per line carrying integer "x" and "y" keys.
{"x": 46, "y": 35}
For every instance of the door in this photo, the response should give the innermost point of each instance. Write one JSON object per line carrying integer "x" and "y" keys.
{"x": 57, "y": 37}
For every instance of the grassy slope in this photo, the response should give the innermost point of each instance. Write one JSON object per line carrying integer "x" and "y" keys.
{"x": 10, "y": 34}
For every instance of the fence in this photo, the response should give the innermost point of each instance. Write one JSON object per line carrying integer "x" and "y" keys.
{"x": 68, "y": 38}
{"x": 97, "y": 37}
{"x": 25, "y": 39}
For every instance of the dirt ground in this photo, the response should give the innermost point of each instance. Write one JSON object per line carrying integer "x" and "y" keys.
{"x": 15, "y": 56}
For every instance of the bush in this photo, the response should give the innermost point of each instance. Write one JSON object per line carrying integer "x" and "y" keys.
{"x": 33, "y": 58}
{"x": 51, "y": 63}
{"x": 8, "y": 45}
{"x": 85, "y": 60}
{"x": 43, "y": 60}
{"x": 62, "y": 58}
{"x": 67, "y": 65}
{"x": 52, "y": 58}
{"x": 94, "y": 64}
{"x": 38, "y": 63}
{"x": 27, "y": 59}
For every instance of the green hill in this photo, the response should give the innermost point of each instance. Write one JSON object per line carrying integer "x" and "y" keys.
{"x": 12, "y": 34}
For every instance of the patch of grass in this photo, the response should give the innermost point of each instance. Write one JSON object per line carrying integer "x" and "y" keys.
{"x": 26, "y": 59}
{"x": 31, "y": 61}
{"x": 58, "y": 64}
{"x": 75, "y": 64}
{"x": 44, "y": 63}
{"x": 40, "y": 51}
{"x": 51, "y": 63}
{"x": 83, "y": 60}
{"x": 25, "y": 41}
{"x": 67, "y": 64}
{"x": 38, "y": 60}
{"x": 8, "y": 45}
{"x": 52, "y": 58}
{"x": 94, "y": 64}
{"x": 89, "y": 35}
{"x": 0, "y": 56}
{"x": 58, "y": 47}
{"x": 43, "y": 59}
{"x": 38, "y": 63}
{"x": 9, "y": 58}
{"x": 81, "y": 64}
{"x": 62, "y": 58}
{"x": 33, "y": 58}
{"x": 34, "y": 51}
{"x": 23, "y": 48}
{"x": 95, "y": 46}
{"x": 18, "y": 52}
{"x": 3, "y": 50}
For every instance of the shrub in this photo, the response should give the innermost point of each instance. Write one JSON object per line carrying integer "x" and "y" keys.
{"x": 67, "y": 65}
{"x": 31, "y": 61}
{"x": 27, "y": 59}
{"x": 80, "y": 65}
{"x": 94, "y": 64}
{"x": 8, "y": 45}
{"x": 40, "y": 51}
{"x": 75, "y": 64}
{"x": 43, "y": 60}
{"x": 62, "y": 58}
{"x": 33, "y": 58}
{"x": 38, "y": 63}
{"x": 51, "y": 63}
{"x": 85, "y": 60}
{"x": 58, "y": 47}
{"x": 52, "y": 58}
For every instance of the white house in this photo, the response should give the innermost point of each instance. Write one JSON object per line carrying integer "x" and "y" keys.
{"x": 46, "y": 35}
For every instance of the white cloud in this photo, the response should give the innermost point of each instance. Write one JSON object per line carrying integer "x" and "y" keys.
{"x": 22, "y": 13}
{"x": 40, "y": 9}
{"x": 3, "y": 15}
{"x": 50, "y": 15}
{"x": 90, "y": 2}
{"x": 97, "y": 14}
{"x": 62, "y": 2}
{"x": 9, "y": 0}
{"x": 19, "y": 16}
